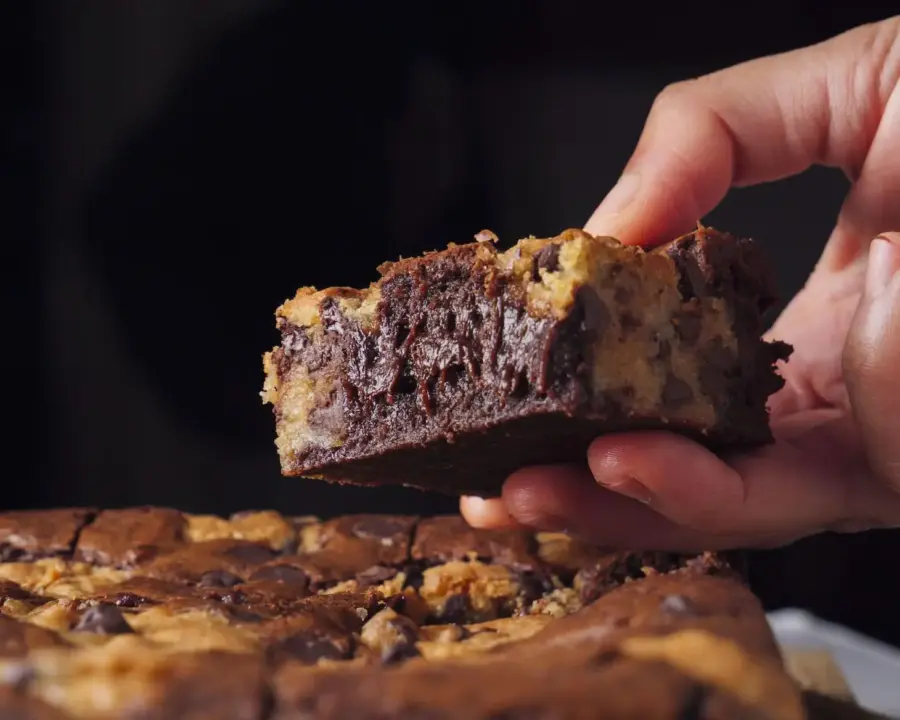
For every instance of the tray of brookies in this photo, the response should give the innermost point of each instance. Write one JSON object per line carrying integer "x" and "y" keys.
{"x": 153, "y": 613}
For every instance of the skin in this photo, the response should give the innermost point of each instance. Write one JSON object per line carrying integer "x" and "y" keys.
{"x": 836, "y": 461}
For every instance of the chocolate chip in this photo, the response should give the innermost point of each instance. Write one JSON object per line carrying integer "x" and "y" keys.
{"x": 103, "y": 619}
{"x": 455, "y": 609}
{"x": 8, "y": 553}
{"x": 535, "y": 585}
{"x": 405, "y": 628}
{"x": 716, "y": 368}
{"x": 397, "y": 603}
{"x": 13, "y": 591}
{"x": 609, "y": 572}
{"x": 282, "y": 573}
{"x": 251, "y": 553}
{"x": 596, "y": 316}
{"x": 310, "y": 646}
{"x": 547, "y": 258}
{"x": 289, "y": 547}
{"x": 623, "y": 295}
{"x": 693, "y": 282}
{"x": 676, "y": 392}
{"x": 688, "y": 326}
{"x": 378, "y": 527}
{"x": 130, "y": 600}
{"x": 678, "y": 605}
{"x": 664, "y": 350}
{"x": 375, "y": 575}
{"x": 629, "y": 323}
{"x": 700, "y": 287}
{"x": 218, "y": 578}
{"x": 242, "y": 615}
{"x": 414, "y": 576}
{"x": 235, "y": 597}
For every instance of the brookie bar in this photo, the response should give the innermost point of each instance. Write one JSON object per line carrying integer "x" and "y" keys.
{"x": 265, "y": 617}
{"x": 461, "y": 366}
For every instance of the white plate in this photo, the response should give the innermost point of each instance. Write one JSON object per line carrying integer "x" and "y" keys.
{"x": 871, "y": 668}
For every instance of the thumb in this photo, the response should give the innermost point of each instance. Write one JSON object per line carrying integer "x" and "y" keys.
{"x": 830, "y": 104}
{"x": 872, "y": 360}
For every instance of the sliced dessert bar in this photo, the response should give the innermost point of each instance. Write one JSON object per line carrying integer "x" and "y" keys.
{"x": 461, "y": 366}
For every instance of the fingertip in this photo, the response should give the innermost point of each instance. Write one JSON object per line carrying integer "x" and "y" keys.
{"x": 545, "y": 497}
{"x": 567, "y": 499}
{"x": 611, "y": 218}
{"x": 672, "y": 474}
{"x": 679, "y": 171}
{"x": 486, "y": 514}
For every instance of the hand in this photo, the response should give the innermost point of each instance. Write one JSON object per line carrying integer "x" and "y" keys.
{"x": 836, "y": 462}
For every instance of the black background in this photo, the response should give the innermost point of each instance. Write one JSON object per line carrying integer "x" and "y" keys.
{"x": 173, "y": 170}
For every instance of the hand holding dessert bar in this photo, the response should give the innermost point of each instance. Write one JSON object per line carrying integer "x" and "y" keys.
{"x": 836, "y": 465}
{"x": 463, "y": 367}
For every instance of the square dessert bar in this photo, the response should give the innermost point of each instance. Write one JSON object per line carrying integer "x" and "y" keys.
{"x": 459, "y": 367}
{"x": 155, "y": 614}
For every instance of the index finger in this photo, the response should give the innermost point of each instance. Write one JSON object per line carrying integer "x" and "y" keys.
{"x": 655, "y": 491}
{"x": 756, "y": 122}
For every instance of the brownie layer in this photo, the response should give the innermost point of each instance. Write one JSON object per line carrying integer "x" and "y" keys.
{"x": 367, "y": 616}
{"x": 462, "y": 366}
{"x": 27, "y": 536}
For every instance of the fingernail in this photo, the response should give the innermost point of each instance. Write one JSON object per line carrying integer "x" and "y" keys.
{"x": 884, "y": 263}
{"x": 630, "y": 487}
{"x": 603, "y": 221}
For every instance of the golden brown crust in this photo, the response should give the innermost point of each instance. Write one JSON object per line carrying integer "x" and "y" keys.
{"x": 304, "y": 309}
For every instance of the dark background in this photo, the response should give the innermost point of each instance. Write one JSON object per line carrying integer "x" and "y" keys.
{"x": 174, "y": 169}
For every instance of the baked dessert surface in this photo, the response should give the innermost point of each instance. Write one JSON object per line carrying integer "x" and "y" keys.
{"x": 152, "y": 613}
{"x": 459, "y": 367}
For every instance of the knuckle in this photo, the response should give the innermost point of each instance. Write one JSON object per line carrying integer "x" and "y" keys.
{"x": 673, "y": 95}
